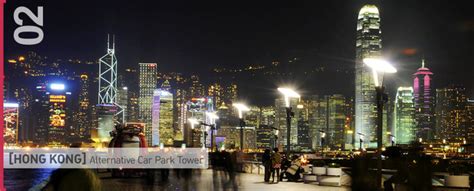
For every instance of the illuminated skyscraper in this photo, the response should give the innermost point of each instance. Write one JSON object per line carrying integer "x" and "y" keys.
{"x": 349, "y": 124}
{"x": 25, "y": 99}
{"x": 404, "y": 127}
{"x": 167, "y": 117}
{"x": 122, "y": 100}
{"x": 51, "y": 107}
{"x": 252, "y": 121}
{"x": 337, "y": 111}
{"x": 317, "y": 117}
{"x": 129, "y": 79}
{"x": 162, "y": 119}
{"x": 231, "y": 93}
{"x": 180, "y": 111}
{"x": 197, "y": 89}
{"x": 147, "y": 84}
{"x": 107, "y": 106}
{"x": 216, "y": 91}
{"x": 451, "y": 113}
{"x": 252, "y": 117}
{"x": 329, "y": 116}
{"x": 368, "y": 44}
{"x": 223, "y": 94}
{"x": 40, "y": 117}
{"x": 83, "y": 115}
{"x": 108, "y": 75}
{"x": 176, "y": 100}
{"x": 470, "y": 120}
{"x": 265, "y": 131}
{"x": 424, "y": 102}
{"x": 304, "y": 139}
{"x": 133, "y": 107}
{"x": 10, "y": 122}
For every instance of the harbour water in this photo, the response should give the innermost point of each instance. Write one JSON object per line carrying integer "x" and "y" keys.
{"x": 24, "y": 179}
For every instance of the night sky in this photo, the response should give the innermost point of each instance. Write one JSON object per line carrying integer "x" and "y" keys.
{"x": 195, "y": 36}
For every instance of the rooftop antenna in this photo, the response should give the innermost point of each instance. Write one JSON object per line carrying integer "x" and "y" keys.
{"x": 108, "y": 41}
{"x": 423, "y": 62}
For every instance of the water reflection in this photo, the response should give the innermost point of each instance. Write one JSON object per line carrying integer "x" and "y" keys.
{"x": 24, "y": 179}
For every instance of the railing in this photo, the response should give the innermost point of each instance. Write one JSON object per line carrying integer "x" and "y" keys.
{"x": 252, "y": 167}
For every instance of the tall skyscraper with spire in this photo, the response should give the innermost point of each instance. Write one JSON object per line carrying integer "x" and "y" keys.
{"x": 108, "y": 109}
{"x": 368, "y": 44}
{"x": 108, "y": 75}
{"x": 424, "y": 102}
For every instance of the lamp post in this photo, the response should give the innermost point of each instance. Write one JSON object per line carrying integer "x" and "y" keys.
{"x": 205, "y": 136}
{"x": 323, "y": 138}
{"x": 241, "y": 108}
{"x": 193, "y": 122}
{"x": 287, "y": 94}
{"x": 379, "y": 68}
{"x": 444, "y": 148}
{"x": 361, "y": 140}
{"x": 392, "y": 139}
{"x": 275, "y": 145}
{"x": 212, "y": 126}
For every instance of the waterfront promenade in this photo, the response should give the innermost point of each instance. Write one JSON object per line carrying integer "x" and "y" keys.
{"x": 210, "y": 180}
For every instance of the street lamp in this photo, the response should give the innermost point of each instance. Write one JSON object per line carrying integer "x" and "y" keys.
{"x": 276, "y": 138}
{"x": 323, "y": 137}
{"x": 392, "y": 139}
{"x": 241, "y": 108}
{"x": 288, "y": 93}
{"x": 212, "y": 116}
{"x": 361, "y": 140}
{"x": 379, "y": 68}
{"x": 193, "y": 122}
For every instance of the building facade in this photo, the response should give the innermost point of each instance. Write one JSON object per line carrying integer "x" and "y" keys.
{"x": 368, "y": 45}
{"x": 10, "y": 122}
{"x": 162, "y": 118}
{"x": 470, "y": 120}
{"x": 147, "y": 83}
{"x": 51, "y": 113}
{"x": 404, "y": 127}
{"x": 451, "y": 113}
{"x": 423, "y": 94}
{"x": 337, "y": 112}
{"x": 83, "y": 118}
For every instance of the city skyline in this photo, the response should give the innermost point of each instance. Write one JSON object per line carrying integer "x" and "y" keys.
{"x": 354, "y": 123}
{"x": 314, "y": 47}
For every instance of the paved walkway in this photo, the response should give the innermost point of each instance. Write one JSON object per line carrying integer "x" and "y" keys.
{"x": 209, "y": 180}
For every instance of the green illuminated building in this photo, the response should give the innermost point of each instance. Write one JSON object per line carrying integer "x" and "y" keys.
{"x": 404, "y": 128}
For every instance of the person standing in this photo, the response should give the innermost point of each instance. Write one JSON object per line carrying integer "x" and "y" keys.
{"x": 276, "y": 165}
{"x": 267, "y": 163}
